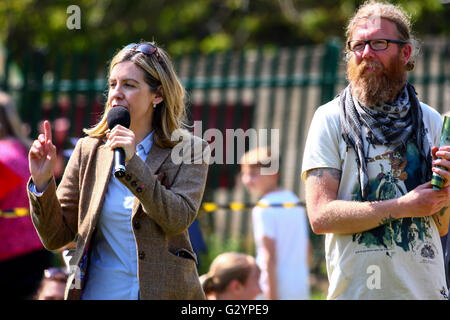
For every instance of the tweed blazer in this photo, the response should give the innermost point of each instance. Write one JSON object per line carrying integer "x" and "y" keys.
{"x": 167, "y": 199}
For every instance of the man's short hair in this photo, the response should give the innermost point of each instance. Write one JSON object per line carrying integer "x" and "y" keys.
{"x": 262, "y": 157}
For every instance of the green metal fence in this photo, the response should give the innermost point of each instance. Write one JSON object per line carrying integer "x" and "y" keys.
{"x": 278, "y": 88}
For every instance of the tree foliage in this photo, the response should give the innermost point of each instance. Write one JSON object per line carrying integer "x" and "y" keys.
{"x": 182, "y": 26}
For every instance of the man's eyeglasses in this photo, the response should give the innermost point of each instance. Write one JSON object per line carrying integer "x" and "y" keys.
{"x": 55, "y": 274}
{"x": 375, "y": 44}
{"x": 146, "y": 48}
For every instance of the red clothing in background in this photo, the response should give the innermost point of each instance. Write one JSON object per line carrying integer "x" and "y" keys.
{"x": 17, "y": 233}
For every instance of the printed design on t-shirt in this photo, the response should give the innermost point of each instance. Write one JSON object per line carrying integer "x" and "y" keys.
{"x": 444, "y": 293}
{"x": 398, "y": 174}
{"x": 389, "y": 181}
{"x": 427, "y": 251}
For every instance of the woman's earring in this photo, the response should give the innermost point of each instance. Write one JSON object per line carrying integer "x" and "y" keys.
{"x": 154, "y": 106}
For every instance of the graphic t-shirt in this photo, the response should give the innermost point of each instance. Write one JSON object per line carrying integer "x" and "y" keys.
{"x": 400, "y": 259}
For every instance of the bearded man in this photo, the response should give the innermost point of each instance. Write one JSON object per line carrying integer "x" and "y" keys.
{"x": 367, "y": 167}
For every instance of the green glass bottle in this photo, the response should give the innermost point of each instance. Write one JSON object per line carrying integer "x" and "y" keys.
{"x": 436, "y": 180}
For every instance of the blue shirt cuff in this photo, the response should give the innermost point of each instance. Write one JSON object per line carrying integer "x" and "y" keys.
{"x": 32, "y": 189}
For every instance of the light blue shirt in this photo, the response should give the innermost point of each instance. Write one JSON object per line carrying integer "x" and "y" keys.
{"x": 112, "y": 271}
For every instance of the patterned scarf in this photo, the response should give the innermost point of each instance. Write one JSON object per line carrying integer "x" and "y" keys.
{"x": 390, "y": 125}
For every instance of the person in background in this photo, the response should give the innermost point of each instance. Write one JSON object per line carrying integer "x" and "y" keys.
{"x": 52, "y": 285}
{"x": 232, "y": 276}
{"x": 22, "y": 256}
{"x": 280, "y": 233}
{"x": 131, "y": 231}
{"x": 367, "y": 167}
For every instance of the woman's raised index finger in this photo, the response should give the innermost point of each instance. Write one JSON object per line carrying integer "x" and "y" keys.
{"x": 47, "y": 131}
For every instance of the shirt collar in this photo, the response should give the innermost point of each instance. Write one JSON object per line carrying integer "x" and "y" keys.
{"x": 146, "y": 143}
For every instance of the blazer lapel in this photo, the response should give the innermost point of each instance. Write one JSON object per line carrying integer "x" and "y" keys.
{"x": 156, "y": 157}
{"x": 104, "y": 163}
{"x": 154, "y": 160}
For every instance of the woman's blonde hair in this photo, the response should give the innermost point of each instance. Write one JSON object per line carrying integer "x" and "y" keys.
{"x": 10, "y": 123}
{"x": 226, "y": 267}
{"x": 158, "y": 69}
{"x": 375, "y": 9}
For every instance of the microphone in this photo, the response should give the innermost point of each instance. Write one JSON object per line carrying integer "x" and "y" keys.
{"x": 118, "y": 115}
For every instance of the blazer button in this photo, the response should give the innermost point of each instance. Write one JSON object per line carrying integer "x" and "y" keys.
{"x": 133, "y": 183}
{"x": 137, "y": 225}
{"x": 128, "y": 177}
{"x": 141, "y": 255}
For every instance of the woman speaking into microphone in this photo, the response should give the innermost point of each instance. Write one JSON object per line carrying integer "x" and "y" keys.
{"x": 130, "y": 228}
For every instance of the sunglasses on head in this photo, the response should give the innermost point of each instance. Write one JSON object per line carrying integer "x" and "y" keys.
{"x": 146, "y": 48}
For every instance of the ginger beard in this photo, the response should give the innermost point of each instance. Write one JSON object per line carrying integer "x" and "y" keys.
{"x": 378, "y": 86}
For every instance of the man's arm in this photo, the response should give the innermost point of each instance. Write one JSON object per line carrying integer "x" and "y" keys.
{"x": 442, "y": 219}
{"x": 271, "y": 263}
{"x": 310, "y": 255}
{"x": 329, "y": 215}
